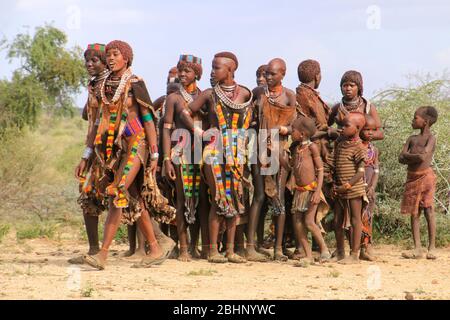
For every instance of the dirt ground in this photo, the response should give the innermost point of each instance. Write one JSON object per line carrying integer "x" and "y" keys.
{"x": 38, "y": 269}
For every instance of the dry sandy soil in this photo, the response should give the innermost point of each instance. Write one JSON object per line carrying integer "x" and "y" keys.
{"x": 38, "y": 269}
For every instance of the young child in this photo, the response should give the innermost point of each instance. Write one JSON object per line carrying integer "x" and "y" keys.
{"x": 371, "y": 177}
{"x": 309, "y": 205}
{"x": 420, "y": 184}
{"x": 349, "y": 188}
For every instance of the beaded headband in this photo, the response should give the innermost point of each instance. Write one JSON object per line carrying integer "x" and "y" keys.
{"x": 190, "y": 58}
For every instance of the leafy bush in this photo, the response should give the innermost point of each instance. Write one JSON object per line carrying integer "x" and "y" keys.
{"x": 396, "y": 107}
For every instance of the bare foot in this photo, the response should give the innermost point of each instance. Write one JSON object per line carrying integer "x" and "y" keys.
{"x": 431, "y": 255}
{"x": 351, "y": 259}
{"x": 184, "y": 257}
{"x": 298, "y": 254}
{"x": 369, "y": 250}
{"x": 337, "y": 256}
{"x": 235, "y": 258}
{"x": 264, "y": 252}
{"x": 325, "y": 256}
{"x": 365, "y": 255}
{"x": 414, "y": 254}
{"x": 278, "y": 256}
{"x": 252, "y": 255}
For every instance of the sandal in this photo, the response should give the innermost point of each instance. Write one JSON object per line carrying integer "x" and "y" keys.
{"x": 256, "y": 257}
{"x": 280, "y": 257}
{"x": 218, "y": 258}
{"x": 94, "y": 261}
{"x": 412, "y": 255}
{"x": 148, "y": 261}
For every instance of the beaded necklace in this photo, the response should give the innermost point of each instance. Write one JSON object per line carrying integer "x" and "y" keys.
{"x": 186, "y": 95}
{"x": 300, "y": 149}
{"x": 228, "y": 102}
{"x": 352, "y": 105}
{"x": 273, "y": 95}
{"x": 113, "y": 109}
{"x": 123, "y": 82}
{"x": 102, "y": 75}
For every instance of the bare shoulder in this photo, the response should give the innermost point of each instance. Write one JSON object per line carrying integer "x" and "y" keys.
{"x": 432, "y": 138}
{"x": 258, "y": 91}
{"x": 413, "y": 137}
{"x": 159, "y": 102}
{"x": 206, "y": 92}
{"x": 205, "y": 95}
{"x": 135, "y": 79}
{"x": 314, "y": 148}
{"x": 247, "y": 91}
{"x": 172, "y": 98}
{"x": 289, "y": 92}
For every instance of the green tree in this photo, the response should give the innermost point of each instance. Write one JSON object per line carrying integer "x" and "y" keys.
{"x": 47, "y": 79}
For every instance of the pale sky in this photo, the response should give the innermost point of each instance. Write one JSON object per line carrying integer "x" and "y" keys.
{"x": 384, "y": 40}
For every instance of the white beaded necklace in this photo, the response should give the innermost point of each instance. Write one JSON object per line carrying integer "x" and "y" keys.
{"x": 123, "y": 82}
{"x": 227, "y": 101}
{"x": 186, "y": 96}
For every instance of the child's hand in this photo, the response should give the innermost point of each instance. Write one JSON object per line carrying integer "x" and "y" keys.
{"x": 333, "y": 133}
{"x": 341, "y": 189}
{"x": 315, "y": 199}
{"x": 370, "y": 193}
